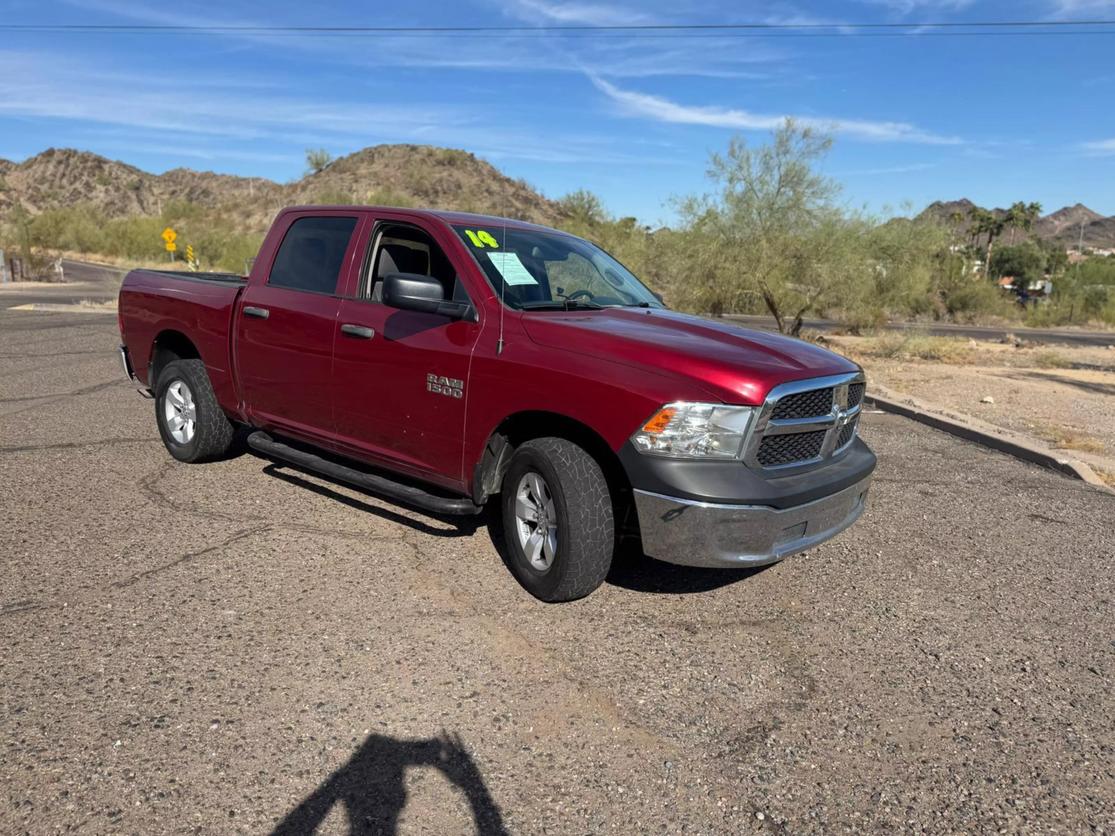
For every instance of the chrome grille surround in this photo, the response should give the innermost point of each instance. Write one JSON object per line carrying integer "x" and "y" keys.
{"x": 838, "y": 424}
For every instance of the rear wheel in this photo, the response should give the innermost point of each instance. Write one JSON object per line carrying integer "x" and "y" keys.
{"x": 192, "y": 425}
{"x": 557, "y": 519}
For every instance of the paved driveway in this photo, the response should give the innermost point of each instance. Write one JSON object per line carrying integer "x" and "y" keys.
{"x": 238, "y": 647}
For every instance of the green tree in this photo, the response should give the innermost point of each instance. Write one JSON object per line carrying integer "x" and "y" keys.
{"x": 986, "y": 223}
{"x": 1025, "y": 263}
{"x": 317, "y": 160}
{"x": 1022, "y": 216}
{"x": 583, "y": 209}
{"x": 773, "y": 230}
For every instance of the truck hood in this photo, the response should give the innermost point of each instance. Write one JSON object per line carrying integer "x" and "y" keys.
{"x": 735, "y": 365}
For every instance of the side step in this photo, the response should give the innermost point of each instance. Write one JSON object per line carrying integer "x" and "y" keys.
{"x": 408, "y": 494}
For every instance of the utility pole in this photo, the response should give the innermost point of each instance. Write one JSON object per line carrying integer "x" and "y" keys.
{"x": 1079, "y": 252}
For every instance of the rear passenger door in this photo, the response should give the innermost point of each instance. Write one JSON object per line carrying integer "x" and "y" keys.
{"x": 285, "y": 326}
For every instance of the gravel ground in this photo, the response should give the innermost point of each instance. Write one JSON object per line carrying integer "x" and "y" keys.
{"x": 1067, "y": 408}
{"x": 237, "y": 647}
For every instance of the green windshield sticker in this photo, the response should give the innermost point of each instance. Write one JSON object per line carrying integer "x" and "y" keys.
{"x": 482, "y": 238}
{"x": 512, "y": 270}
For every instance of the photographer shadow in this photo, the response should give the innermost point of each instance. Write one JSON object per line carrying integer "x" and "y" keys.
{"x": 371, "y": 786}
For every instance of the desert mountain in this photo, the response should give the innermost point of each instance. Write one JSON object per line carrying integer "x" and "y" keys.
{"x": 1062, "y": 226}
{"x": 1066, "y": 220}
{"x": 414, "y": 175}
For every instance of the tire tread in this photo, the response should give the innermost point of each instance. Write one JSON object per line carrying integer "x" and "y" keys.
{"x": 213, "y": 432}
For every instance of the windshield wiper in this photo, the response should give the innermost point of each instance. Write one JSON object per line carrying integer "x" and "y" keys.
{"x": 561, "y": 305}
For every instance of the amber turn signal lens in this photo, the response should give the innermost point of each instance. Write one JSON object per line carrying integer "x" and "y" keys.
{"x": 660, "y": 421}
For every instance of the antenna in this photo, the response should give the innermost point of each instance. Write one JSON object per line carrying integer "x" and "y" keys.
{"x": 502, "y": 291}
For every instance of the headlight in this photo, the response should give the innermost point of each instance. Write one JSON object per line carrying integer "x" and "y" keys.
{"x": 694, "y": 431}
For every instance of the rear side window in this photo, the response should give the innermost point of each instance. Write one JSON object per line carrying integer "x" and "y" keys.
{"x": 311, "y": 254}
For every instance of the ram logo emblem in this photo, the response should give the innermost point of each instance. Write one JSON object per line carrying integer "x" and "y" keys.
{"x": 448, "y": 386}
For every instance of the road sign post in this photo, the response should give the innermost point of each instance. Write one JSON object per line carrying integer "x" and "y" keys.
{"x": 170, "y": 236}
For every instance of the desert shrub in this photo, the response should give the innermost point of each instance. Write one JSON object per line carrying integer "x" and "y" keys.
{"x": 1049, "y": 359}
{"x": 387, "y": 196}
{"x": 317, "y": 160}
{"x": 333, "y": 196}
{"x": 972, "y": 297}
{"x": 912, "y": 345}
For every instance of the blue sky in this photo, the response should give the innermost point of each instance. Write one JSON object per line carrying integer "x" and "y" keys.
{"x": 632, "y": 117}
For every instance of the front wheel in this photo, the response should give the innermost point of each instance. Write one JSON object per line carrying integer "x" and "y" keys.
{"x": 557, "y": 519}
{"x": 192, "y": 425}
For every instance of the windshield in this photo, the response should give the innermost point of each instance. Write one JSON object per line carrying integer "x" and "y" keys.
{"x": 534, "y": 270}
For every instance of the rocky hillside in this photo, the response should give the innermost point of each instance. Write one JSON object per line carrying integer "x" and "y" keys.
{"x": 1062, "y": 226}
{"x": 412, "y": 175}
{"x": 1066, "y": 219}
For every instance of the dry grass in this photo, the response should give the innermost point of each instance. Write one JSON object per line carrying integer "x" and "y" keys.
{"x": 1066, "y": 438}
{"x": 1107, "y": 476}
{"x": 1046, "y": 359}
{"x": 897, "y": 345}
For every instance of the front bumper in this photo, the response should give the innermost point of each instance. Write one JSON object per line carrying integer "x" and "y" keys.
{"x": 694, "y": 533}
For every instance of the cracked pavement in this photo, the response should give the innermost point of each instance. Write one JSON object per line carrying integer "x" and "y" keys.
{"x": 243, "y": 647}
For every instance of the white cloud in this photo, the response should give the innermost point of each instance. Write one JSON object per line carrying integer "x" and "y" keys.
{"x": 618, "y": 55}
{"x": 1069, "y": 7}
{"x": 664, "y": 110}
{"x": 231, "y": 123}
{"x": 910, "y": 6}
{"x": 1100, "y": 147}
{"x": 886, "y": 169}
{"x": 575, "y": 14}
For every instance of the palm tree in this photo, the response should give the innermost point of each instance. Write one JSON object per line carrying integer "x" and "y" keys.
{"x": 1022, "y": 216}
{"x": 989, "y": 224}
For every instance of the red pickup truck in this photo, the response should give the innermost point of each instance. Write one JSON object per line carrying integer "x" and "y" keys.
{"x": 448, "y": 360}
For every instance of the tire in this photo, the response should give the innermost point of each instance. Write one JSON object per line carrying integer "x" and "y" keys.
{"x": 183, "y": 390}
{"x": 576, "y": 507}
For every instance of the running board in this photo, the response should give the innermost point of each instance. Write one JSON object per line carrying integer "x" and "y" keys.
{"x": 408, "y": 494}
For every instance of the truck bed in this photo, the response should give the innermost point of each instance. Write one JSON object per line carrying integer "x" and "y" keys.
{"x": 229, "y": 278}
{"x": 155, "y": 303}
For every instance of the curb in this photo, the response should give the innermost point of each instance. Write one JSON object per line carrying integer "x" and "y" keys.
{"x": 971, "y": 429}
{"x": 60, "y": 307}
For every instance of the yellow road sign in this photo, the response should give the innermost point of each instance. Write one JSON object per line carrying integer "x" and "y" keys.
{"x": 169, "y": 235}
{"x": 171, "y": 246}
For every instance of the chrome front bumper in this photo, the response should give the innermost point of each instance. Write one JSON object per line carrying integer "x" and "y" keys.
{"x": 693, "y": 533}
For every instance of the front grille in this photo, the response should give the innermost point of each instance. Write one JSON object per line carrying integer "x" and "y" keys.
{"x": 847, "y": 432}
{"x": 793, "y": 447}
{"x": 811, "y": 404}
{"x": 855, "y": 393}
{"x": 804, "y": 425}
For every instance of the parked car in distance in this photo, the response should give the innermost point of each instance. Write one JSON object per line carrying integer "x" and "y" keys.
{"x": 448, "y": 361}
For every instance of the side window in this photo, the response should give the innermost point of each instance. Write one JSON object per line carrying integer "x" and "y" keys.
{"x": 405, "y": 249}
{"x": 311, "y": 254}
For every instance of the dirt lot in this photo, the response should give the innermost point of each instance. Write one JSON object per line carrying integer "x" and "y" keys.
{"x": 239, "y": 648}
{"x": 1061, "y": 395}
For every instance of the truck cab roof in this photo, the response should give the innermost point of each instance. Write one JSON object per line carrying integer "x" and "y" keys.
{"x": 446, "y": 216}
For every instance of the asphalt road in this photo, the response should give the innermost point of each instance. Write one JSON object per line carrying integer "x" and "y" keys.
{"x": 92, "y": 282}
{"x": 237, "y": 647}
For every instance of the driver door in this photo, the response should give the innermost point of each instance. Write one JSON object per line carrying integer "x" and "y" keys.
{"x": 401, "y": 377}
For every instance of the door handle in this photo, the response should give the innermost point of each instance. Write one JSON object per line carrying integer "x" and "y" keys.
{"x": 258, "y": 313}
{"x": 357, "y": 331}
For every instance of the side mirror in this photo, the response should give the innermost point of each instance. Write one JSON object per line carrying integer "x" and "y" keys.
{"x": 415, "y": 292}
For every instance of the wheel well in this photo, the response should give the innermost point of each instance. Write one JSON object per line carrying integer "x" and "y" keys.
{"x": 168, "y": 346}
{"x": 523, "y": 426}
